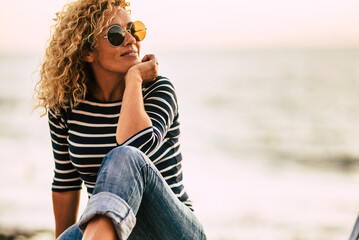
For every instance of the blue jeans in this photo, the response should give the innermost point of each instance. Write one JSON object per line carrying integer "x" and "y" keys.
{"x": 128, "y": 185}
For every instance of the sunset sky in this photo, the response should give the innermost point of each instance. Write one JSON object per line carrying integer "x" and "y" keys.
{"x": 190, "y": 24}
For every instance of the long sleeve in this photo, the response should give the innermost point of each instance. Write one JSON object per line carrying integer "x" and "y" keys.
{"x": 66, "y": 178}
{"x": 160, "y": 104}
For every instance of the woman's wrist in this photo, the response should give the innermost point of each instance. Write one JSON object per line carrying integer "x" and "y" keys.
{"x": 133, "y": 76}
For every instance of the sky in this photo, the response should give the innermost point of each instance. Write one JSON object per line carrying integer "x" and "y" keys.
{"x": 192, "y": 24}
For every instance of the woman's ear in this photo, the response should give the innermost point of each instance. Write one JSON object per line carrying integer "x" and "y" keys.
{"x": 89, "y": 57}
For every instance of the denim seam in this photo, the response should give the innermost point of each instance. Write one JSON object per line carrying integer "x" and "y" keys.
{"x": 118, "y": 225}
{"x": 138, "y": 175}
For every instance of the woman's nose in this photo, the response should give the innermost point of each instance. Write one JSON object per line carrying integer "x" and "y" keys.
{"x": 129, "y": 39}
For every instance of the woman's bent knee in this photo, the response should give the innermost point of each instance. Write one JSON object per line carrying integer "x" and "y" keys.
{"x": 124, "y": 156}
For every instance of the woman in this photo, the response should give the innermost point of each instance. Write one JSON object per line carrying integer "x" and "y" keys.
{"x": 114, "y": 127}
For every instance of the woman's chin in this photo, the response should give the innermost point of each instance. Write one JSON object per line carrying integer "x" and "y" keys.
{"x": 134, "y": 62}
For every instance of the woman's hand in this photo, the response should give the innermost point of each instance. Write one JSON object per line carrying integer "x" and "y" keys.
{"x": 133, "y": 117}
{"x": 147, "y": 70}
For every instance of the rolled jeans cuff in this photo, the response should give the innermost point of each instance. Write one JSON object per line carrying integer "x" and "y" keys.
{"x": 112, "y": 206}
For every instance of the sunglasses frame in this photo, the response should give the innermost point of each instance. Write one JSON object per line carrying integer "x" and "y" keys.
{"x": 129, "y": 30}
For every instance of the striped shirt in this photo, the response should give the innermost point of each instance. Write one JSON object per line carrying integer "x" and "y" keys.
{"x": 82, "y": 136}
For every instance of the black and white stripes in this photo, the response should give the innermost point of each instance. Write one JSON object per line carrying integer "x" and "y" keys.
{"x": 82, "y": 136}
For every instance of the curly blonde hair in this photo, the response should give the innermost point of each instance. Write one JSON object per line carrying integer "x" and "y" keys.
{"x": 64, "y": 71}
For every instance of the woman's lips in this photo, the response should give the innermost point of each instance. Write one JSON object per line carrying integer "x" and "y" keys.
{"x": 129, "y": 53}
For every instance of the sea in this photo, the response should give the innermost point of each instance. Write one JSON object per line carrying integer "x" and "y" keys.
{"x": 269, "y": 140}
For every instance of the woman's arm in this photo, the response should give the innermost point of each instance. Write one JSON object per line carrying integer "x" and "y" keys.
{"x": 65, "y": 205}
{"x": 66, "y": 183}
{"x": 160, "y": 103}
{"x": 133, "y": 117}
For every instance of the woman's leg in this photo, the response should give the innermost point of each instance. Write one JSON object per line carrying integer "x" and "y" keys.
{"x": 100, "y": 227}
{"x": 128, "y": 184}
{"x": 155, "y": 222}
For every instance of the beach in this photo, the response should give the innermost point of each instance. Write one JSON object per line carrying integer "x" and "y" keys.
{"x": 269, "y": 141}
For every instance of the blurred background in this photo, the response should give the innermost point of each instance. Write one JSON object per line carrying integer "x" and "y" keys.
{"x": 269, "y": 104}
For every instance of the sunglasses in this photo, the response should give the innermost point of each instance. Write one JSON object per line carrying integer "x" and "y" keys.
{"x": 116, "y": 35}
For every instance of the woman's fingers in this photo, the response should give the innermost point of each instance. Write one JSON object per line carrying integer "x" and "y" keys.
{"x": 148, "y": 68}
{"x": 153, "y": 63}
{"x": 149, "y": 57}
